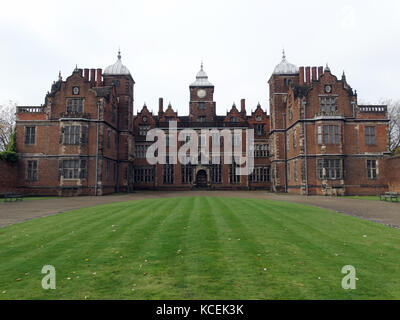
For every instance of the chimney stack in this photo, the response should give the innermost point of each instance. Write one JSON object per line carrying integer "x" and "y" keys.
{"x": 92, "y": 76}
{"x": 160, "y": 106}
{"x": 99, "y": 80}
{"x": 308, "y": 75}
{"x": 86, "y": 74}
{"x": 314, "y": 73}
{"x": 301, "y": 76}
{"x": 320, "y": 71}
{"x": 243, "y": 106}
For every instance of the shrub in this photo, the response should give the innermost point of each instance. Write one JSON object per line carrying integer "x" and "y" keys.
{"x": 11, "y": 153}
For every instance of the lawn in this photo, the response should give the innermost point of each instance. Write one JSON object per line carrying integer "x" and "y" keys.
{"x": 199, "y": 248}
{"x": 375, "y": 198}
{"x": 32, "y": 198}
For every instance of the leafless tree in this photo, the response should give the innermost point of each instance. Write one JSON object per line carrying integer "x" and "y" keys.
{"x": 394, "y": 123}
{"x": 7, "y": 122}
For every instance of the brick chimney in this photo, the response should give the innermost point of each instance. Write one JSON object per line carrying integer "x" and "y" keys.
{"x": 314, "y": 73}
{"x": 86, "y": 74}
{"x": 92, "y": 76}
{"x": 160, "y": 106}
{"x": 308, "y": 75}
{"x": 301, "y": 76}
{"x": 99, "y": 81}
{"x": 243, "y": 106}
{"x": 320, "y": 71}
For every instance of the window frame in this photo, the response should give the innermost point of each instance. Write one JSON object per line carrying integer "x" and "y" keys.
{"x": 31, "y": 170}
{"x": 332, "y": 172}
{"x": 30, "y": 135}
{"x": 370, "y": 135}
{"x": 372, "y": 170}
{"x": 75, "y": 108}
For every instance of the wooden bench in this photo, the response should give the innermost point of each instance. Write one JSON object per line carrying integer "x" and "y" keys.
{"x": 9, "y": 197}
{"x": 389, "y": 195}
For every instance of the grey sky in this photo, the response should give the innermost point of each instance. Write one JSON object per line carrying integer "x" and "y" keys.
{"x": 163, "y": 42}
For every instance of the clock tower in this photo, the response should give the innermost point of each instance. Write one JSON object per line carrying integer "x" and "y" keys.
{"x": 202, "y": 105}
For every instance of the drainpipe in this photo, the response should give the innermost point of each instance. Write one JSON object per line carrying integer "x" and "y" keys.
{"x": 97, "y": 146}
{"x": 284, "y": 150}
{"x": 305, "y": 144}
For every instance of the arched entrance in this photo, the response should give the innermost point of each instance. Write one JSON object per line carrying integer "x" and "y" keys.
{"x": 201, "y": 179}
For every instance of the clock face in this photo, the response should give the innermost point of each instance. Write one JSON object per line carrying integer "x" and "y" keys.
{"x": 258, "y": 118}
{"x": 75, "y": 90}
{"x": 328, "y": 89}
{"x": 201, "y": 93}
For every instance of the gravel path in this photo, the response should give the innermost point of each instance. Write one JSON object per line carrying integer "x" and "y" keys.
{"x": 379, "y": 211}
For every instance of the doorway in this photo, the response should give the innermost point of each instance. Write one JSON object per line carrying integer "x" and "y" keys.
{"x": 201, "y": 179}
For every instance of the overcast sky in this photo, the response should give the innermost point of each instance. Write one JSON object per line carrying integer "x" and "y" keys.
{"x": 163, "y": 43}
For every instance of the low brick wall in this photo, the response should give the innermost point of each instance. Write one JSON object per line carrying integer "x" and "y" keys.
{"x": 8, "y": 177}
{"x": 393, "y": 173}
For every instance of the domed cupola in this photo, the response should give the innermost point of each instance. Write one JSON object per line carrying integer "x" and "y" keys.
{"x": 285, "y": 67}
{"x": 201, "y": 79}
{"x": 117, "y": 68}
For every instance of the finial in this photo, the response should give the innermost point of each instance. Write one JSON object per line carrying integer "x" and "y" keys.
{"x": 258, "y": 105}
{"x": 327, "y": 68}
{"x": 119, "y": 53}
{"x": 144, "y": 106}
{"x": 169, "y": 105}
{"x": 59, "y": 76}
{"x": 201, "y": 64}
{"x": 343, "y": 75}
{"x": 283, "y": 54}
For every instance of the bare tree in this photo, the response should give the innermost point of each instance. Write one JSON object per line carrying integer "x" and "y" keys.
{"x": 394, "y": 123}
{"x": 7, "y": 122}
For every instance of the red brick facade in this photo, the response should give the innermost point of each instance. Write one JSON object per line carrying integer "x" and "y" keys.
{"x": 86, "y": 140}
{"x": 8, "y": 176}
{"x": 392, "y": 168}
{"x": 322, "y": 141}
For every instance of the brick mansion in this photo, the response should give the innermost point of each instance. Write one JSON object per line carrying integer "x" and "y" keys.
{"x": 86, "y": 138}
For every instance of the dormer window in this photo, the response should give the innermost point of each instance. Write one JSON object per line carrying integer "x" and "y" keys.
{"x": 202, "y": 106}
{"x": 201, "y": 119}
{"x": 234, "y": 119}
{"x": 74, "y": 105}
{"x": 259, "y": 129}
{"x": 328, "y": 104}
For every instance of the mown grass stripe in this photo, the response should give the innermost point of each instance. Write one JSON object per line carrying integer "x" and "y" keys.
{"x": 188, "y": 248}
